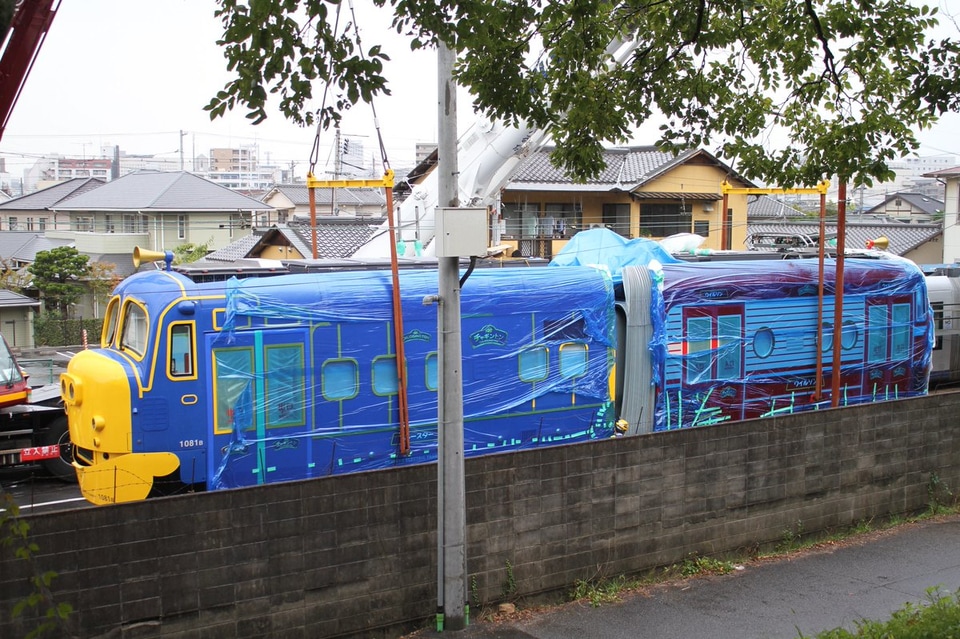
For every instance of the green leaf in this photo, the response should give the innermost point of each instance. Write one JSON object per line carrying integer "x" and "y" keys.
{"x": 788, "y": 91}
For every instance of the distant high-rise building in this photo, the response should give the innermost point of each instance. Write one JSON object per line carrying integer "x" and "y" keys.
{"x": 424, "y": 149}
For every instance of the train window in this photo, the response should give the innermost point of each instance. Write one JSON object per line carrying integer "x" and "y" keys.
{"x": 938, "y": 324}
{"x": 233, "y": 389}
{"x": 764, "y": 342}
{"x": 285, "y": 386}
{"x": 573, "y": 359}
{"x": 220, "y": 319}
{"x": 534, "y": 364}
{"x": 699, "y": 333}
{"x": 850, "y": 335}
{"x": 385, "y": 377}
{"x": 109, "y": 331}
{"x": 877, "y": 334}
{"x": 432, "y": 371}
{"x": 340, "y": 379}
{"x": 900, "y": 332}
{"x": 134, "y": 331}
{"x": 181, "y": 350}
{"x": 713, "y": 344}
{"x": 728, "y": 356}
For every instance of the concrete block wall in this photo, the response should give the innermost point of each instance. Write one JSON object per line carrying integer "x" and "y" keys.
{"x": 355, "y": 556}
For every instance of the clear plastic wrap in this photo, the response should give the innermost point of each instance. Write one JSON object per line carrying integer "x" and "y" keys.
{"x": 305, "y": 380}
{"x": 738, "y": 340}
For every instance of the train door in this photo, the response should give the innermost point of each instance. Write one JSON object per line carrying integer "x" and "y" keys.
{"x": 261, "y": 412}
{"x": 711, "y": 388}
{"x": 888, "y": 348}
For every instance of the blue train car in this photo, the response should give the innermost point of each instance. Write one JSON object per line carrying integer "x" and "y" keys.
{"x": 226, "y": 384}
{"x": 738, "y": 340}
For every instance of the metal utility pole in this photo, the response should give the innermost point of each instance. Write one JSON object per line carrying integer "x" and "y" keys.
{"x": 838, "y": 294}
{"x": 337, "y": 166}
{"x": 452, "y": 608}
{"x": 181, "y": 148}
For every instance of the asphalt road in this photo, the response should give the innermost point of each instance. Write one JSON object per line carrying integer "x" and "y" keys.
{"x": 866, "y": 578}
{"x": 37, "y": 492}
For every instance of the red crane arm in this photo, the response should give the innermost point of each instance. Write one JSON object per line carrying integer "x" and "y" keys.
{"x": 28, "y": 28}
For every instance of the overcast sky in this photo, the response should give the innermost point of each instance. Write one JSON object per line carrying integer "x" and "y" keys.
{"x": 135, "y": 73}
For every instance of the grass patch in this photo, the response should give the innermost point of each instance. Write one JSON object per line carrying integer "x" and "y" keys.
{"x": 938, "y": 617}
{"x": 610, "y": 590}
{"x": 695, "y": 566}
{"x": 603, "y": 591}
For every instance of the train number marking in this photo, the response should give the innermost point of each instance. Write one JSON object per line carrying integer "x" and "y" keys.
{"x": 191, "y": 443}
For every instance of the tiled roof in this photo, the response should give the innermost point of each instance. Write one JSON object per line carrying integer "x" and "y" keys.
{"x": 927, "y": 205}
{"x": 621, "y": 166}
{"x": 337, "y": 237}
{"x": 23, "y": 246}
{"x": 300, "y": 239}
{"x": 52, "y": 195}
{"x": 951, "y": 172}
{"x": 767, "y": 207}
{"x": 299, "y": 194}
{"x": 676, "y": 195}
{"x": 122, "y": 262}
{"x": 235, "y": 250}
{"x": 162, "y": 191}
{"x": 903, "y": 237}
{"x": 9, "y": 299}
{"x": 624, "y": 168}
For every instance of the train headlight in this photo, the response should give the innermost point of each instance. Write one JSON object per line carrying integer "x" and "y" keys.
{"x": 71, "y": 389}
{"x": 98, "y": 423}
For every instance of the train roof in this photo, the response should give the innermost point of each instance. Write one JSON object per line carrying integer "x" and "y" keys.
{"x": 207, "y": 271}
{"x": 366, "y": 295}
{"x": 777, "y": 279}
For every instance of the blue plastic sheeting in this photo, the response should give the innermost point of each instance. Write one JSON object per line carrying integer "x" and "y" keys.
{"x": 305, "y": 379}
{"x": 606, "y": 250}
{"x": 739, "y": 339}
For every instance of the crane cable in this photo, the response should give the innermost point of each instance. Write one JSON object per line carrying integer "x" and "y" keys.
{"x": 402, "y": 403}
{"x": 376, "y": 122}
{"x": 315, "y": 149}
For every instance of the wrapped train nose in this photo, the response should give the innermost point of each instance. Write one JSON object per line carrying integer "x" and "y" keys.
{"x": 96, "y": 393}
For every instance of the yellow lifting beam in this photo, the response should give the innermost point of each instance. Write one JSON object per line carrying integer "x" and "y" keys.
{"x": 386, "y": 182}
{"x": 820, "y": 188}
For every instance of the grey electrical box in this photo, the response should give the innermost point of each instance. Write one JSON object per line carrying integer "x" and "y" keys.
{"x": 461, "y": 232}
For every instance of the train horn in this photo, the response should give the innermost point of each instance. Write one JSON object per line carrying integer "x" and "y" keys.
{"x": 142, "y": 256}
{"x": 881, "y": 243}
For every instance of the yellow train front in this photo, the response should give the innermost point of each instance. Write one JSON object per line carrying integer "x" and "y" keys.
{"x": 120, "y": 404}
{"x": 217, "y": 385}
